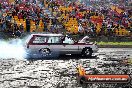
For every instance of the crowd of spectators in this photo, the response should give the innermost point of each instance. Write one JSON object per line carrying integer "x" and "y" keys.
{"x": 26, "y": 10}
{"x": 99, "y": 20}
{"x": 70, "y": 16}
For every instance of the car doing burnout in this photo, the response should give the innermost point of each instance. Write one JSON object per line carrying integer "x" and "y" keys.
{"x": 40, "y": 45}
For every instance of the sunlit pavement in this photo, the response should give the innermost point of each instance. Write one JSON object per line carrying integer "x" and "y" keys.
{"x": 62, "y": 73}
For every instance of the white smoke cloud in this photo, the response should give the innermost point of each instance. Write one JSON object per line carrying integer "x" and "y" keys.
{"x": 12, "y": 49}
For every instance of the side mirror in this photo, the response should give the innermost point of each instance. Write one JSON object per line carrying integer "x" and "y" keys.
{"x": 62, "y": 39}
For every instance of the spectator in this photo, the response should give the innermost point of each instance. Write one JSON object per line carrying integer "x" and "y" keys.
{"x": 64, "y": 12}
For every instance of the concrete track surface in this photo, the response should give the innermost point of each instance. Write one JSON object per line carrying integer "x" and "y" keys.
{"x": 62, "y": 73}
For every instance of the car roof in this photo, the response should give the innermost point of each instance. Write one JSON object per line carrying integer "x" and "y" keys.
{"x": 46, "y": 34}
{"x": 42, "y": 34}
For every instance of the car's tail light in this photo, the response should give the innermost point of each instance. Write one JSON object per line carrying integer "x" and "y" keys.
{"x": 27, "y": 46}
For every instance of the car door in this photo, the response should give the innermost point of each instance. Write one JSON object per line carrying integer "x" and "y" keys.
{"x": 69, "y": 47}
{"x": 54, "y": 44}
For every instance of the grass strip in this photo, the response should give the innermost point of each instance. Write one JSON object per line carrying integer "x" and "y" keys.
{"x": 114, "y": 43}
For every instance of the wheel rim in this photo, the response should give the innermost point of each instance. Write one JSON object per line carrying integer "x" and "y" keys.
{"x": 87, "y": 52}
{"x": 45, "y": 52}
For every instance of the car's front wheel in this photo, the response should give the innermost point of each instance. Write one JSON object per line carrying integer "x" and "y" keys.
{"x": 87, "y": 52}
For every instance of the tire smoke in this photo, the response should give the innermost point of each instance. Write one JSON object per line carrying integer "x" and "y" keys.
{"x": 12, "y": 49}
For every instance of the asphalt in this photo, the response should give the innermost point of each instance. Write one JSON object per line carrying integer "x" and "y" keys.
{"x": 62, "y": 73}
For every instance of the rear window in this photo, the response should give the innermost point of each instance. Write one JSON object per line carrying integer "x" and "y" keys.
{"x": 39, "y": 39}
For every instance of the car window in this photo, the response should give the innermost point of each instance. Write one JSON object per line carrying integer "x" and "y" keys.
{"x": 39, "y": 39}
{"x": 68, "y": 41}
{"x": 54, "y": 39}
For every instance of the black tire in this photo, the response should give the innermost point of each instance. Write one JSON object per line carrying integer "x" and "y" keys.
{"x": 87, "y": 52}
{"x": 45, "y": 51}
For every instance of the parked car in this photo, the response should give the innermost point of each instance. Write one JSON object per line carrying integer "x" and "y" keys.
{"x": 40, "y": 45}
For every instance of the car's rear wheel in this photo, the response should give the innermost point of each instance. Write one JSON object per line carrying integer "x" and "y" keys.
{"x": 87, "y": 52}
{"x": 45, "y": 51}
